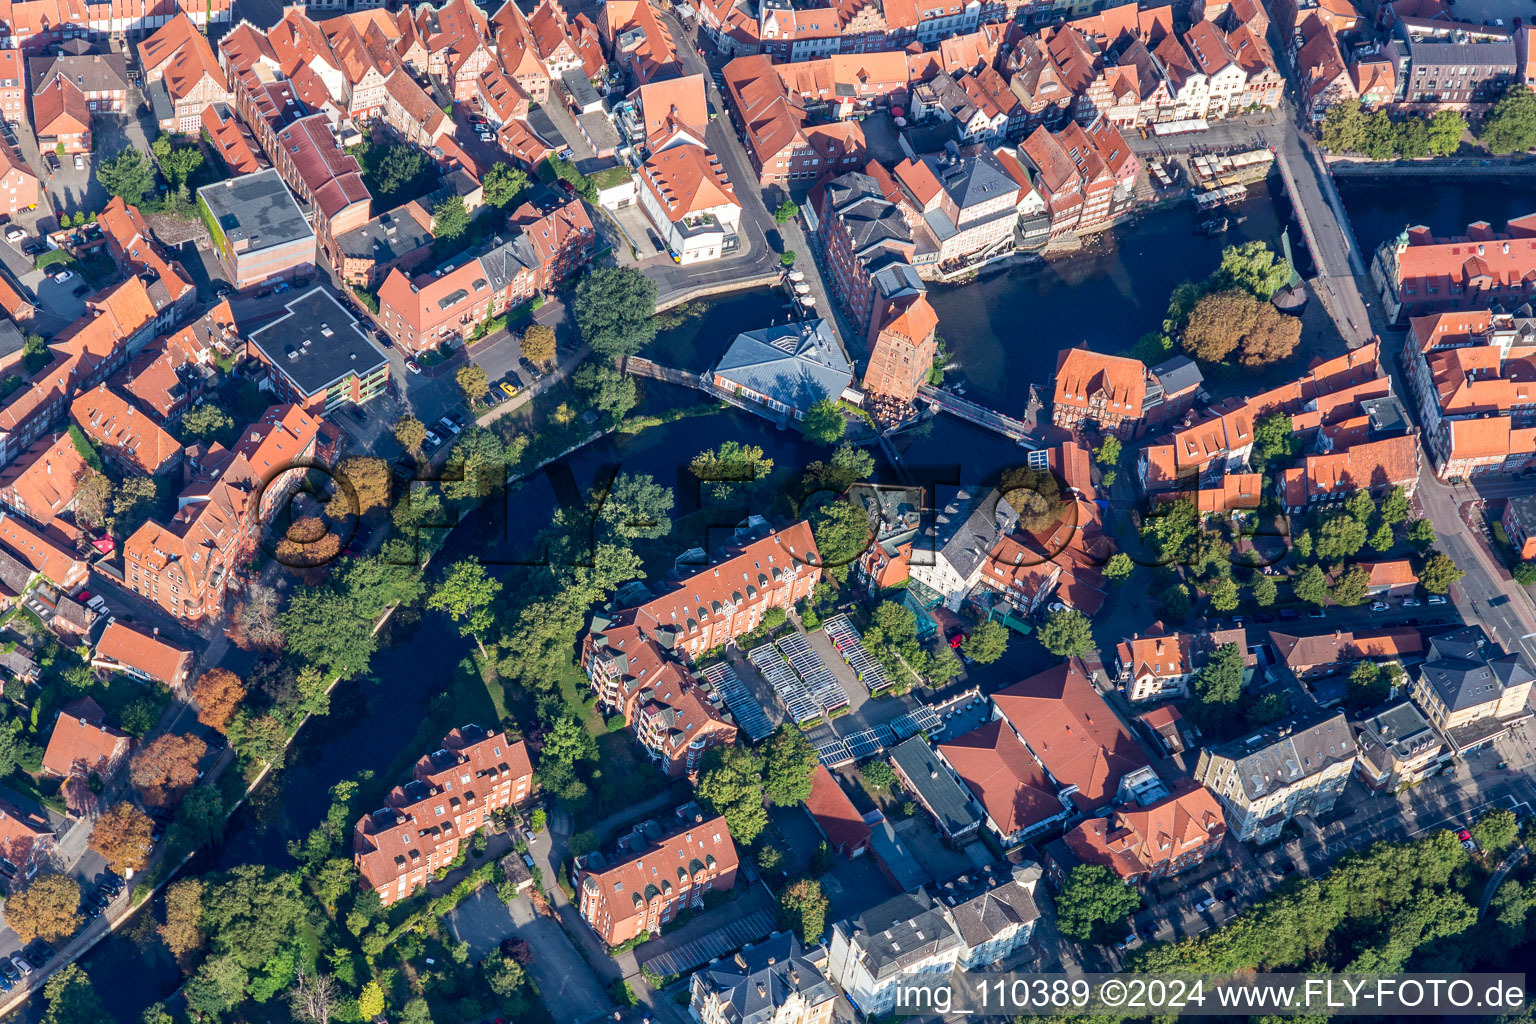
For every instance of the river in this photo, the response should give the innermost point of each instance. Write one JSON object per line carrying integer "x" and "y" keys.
{"x": 1004, "y": 332}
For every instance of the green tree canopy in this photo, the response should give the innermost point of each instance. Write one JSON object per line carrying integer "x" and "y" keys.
{"x": 1368, "y": 685}
{"x": 473, "y": 381}
{"x": 787, "y": 772}
{"x": 1438, "y": 573}
{"x": 803, "y": 907}
{"x": 731, "y": 784}
{"x": 449, "y": 218}
{"x": 467, "y": 593}
{"x": 1311, "y": 585}
{"x": 1446, "y": 129}
{"x": 637, "y": 507}
{"x": 842, "y": 533}
{"x": 615, "y": 311}
{"x": 504, "y": 184}
{"x": 1510, "y": 126}
{"x": 1093, "y": 904}
{"x": 1264, "y": 591}
{"x": 824, "y": 423}
{"x": 127, "y": 176}
{"x": 1351, "y": 587}
{"x": 987, "y": 642}
{"x": 1217, "y": 688}
{"x": 1340, "y": 536}
{"x": 72, "y": 999}
{"x": 1253, "y": 267}
{"x": 608, "y": 390}
{"x": 1119, "y": 568}
{"x": 1066, "y": 633}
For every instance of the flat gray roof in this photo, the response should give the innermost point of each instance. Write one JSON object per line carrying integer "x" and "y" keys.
{"x": 317, "y": 343}
{"x": 256, "y": 209}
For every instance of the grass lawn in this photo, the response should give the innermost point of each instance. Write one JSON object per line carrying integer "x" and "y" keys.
{"x": 575, "y": 688}
{"x": 43, "y": 791}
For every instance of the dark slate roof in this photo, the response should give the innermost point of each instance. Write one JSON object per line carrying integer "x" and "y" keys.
{"x": 1398, "y": 732}
{"x": 90, "y": 72}
{"x": 503, "y": 263}
{"x": 797, "y": 364}
{"x": 11, "y": 338}
{"x": 941, "y": 792}
{"x": 984, "y": 904}
{"x": 256, "y": 209}
{"x": 1178, "y": 374}
{"x": 901, "y": 931}
{"x": 1286, "y": 751}
{"x": 1467, "y": 669}
{"x": 317, "y": 343}
{"x": 387, "y": 237}
{"x": 896, "y": 856}
{"x": 13, "y": 574}
{"x": 760, "y": 979}
{"x": 966, "y": 529}
{"x": 973, "y": 178}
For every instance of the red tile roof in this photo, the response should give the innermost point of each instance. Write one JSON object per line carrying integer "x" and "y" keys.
{"x": 1082, "y": 376}
{"x": 1004, "y": 776}
{"x": 1138, "y": 840}
{"x": 81, "y": 743}
{"x": 839, "y": 820}
{"x": 122, "y": 645}
{"x": 41, "y": 483}
{"x": 1073, "y": 732}
{"x": 687, "y": 180}
{"x": 112, "y": 423}
{"x": 44, "y": 555}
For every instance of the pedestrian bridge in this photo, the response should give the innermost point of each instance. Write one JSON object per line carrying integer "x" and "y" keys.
{"x": 990, "y": 419}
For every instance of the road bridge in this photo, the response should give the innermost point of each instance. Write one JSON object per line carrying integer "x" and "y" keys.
{"x": 980, "y": 415}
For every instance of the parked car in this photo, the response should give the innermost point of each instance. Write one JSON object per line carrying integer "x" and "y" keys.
{"x": 79, "y": 162}
{"x": 1437, "y": 599}
{"x": 80, "y": 289}
{"x": 6, "y": 984}
{"x": 1205, "y": 904}
{"x": 40, "y": 953}
{"x": 511, "y": 392}
{"x": 1410, "y": 602}
{"x": 1467, "y": 842}
{"x": 9, "y": 971}
{"x": 64, "y": 275}
{"x": 1317, "y": 613}
{"x": 21, "y": 964}
{"x": 449, "y": 425}
{"x": 1378, "y": 606}
{"x": 413, "y": 366}
{"x": 15, "y": 233}
{"x": 433, "y": 441}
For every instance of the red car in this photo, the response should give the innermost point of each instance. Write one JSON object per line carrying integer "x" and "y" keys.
{"x": 956, "y": 640}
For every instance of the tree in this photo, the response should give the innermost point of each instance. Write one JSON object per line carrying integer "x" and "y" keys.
{"x": 1496, "y": 831}
{"x": 1446, "y": 129}
{"x": 122, "y": 837}
{"x": 166, "y": 768}
{"x": 314, "y": 997}
{"x": 1343, "y": 127}
{"x": 1351, "y": 587}
{"x": 787, "y": 771}
{"x": 731, "y": 463}
{"x": 1264, "y": 591}
{"x": 127, "y": 176}
{"x": 177, "y": 164}
{"x": 199, "y": 820}
{"x": 1379, "y": 139}
{"x": 786, "y": 212}
{"x": 251, "y": 912}
{"x": 183, "y": 909}
{"x": 1360, "y": 505}
{"x": 1510, "y": 126}
{"x": 879, "y": 773}
{"x": 473, "y": 381}
{"x": 637, "y": 507}
{"x": 503, "y": 184}
{"x": 787, "y": 258}
{"x": 1066, "y": 633}
{"x": 206, "y": 422}
{"x": 1092, "y": 902}
{"x": 986, "y": 643}
{"x": 1367, "y": 685}
{"x": 1310, "y": 586}
{"x": 370, "y": 1001}
{"x": 263, "y": 737}
{"x": 132, "y": 504}
{"x": 1273, "y": 337}
{"x": 607, "y": 389}
{"x": 72, "y": 999}
{"x": 156, "y": 1013}
{"x": 1382, "y": 538}
{"x": 1438, "y": 573}
{"x": 731, "y": 784}
{"x": 478, "y": 463}
{"x": 1394, "y": 506}
{"x": 1218, "y": 323}
{"x": 824, "y": 423}
{"x": 1108, "y": 451}
{"x": 1254, "y": 268}
{"x": 219, "y": 985}
{"x": 217, "y": 693}
{"x": 1413, "y": 138}
{"x": 369, "y": 479}
{"x": 466, "y": 594}
{"x": 849, "y": 463}
{"x": 1119, "y": 568}
{"x": 1217, "y": 688}
{"x": 1523, "y": 573}
{"x": 329, "y": 628}
{"x": 1340, "y": 536}
{"x": 449, "y": 218}
{"x": 842, "y": 533}
{"x": 1421, "y": 532}
{"x": 803, "y": 907}
{"x": 93, "y": 499}
{"x": 538, "y": 344}
{"x": 410, "y": 432}
{"x": 1224, "y": 595}
{"x": 615, "y": 311}
{"x": 47, "y": 909}
{"x": 503, "y": 975}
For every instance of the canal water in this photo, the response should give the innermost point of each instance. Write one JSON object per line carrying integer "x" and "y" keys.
{"x": 1380, "y": 210}
{"x": 1004, "y": 331}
